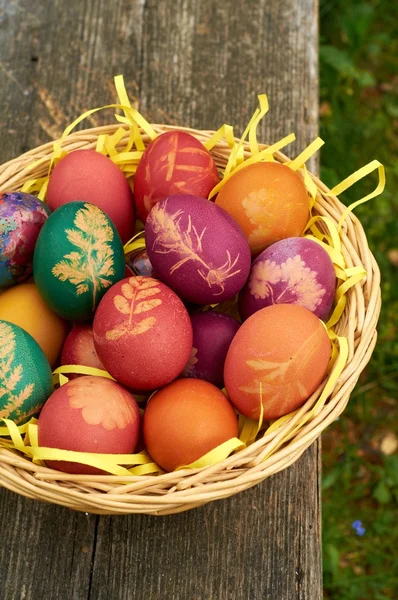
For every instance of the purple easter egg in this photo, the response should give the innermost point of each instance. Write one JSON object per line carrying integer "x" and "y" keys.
{"x": 197, "y": 249}
{"x": 21, "y": 219}
{"x": 212, "y": 335}
{"x": 292, "y": 271}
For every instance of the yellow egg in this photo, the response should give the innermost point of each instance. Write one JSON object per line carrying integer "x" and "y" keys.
{"x": 23, "y": 306}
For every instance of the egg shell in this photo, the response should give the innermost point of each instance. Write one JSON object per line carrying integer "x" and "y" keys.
{"x": 268, "y": 200}
{"x": 24, "y": 306}
{"x": 142, "y": 333}
{"x": 78, "y": 256}
{"x": 173, "y": 163}
{"x": 293, "y": 271}
{"x": 89, "y": 414}
{"x": 280, "y": 354}
{"x": 185, "y": 420}
{"x": 197, "y": 249}
{"x": 212, "y": 335}
{"x": 87, "y": 175}
{"x": 21, "y": 219}
{"x": 25, "y": 375}
{"x": 79, "y": 349}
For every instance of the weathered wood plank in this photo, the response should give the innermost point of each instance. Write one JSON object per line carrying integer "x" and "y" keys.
{"x": 198, "y": 64}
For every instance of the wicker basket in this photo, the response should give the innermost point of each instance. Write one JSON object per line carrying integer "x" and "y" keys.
{"x": 185, "y": 489}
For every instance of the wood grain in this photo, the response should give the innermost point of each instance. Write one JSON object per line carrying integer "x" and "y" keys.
{"x": 198, "y": 64}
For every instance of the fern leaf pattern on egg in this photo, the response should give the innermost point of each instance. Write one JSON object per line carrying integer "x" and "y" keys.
{"x": 197, "y": 249}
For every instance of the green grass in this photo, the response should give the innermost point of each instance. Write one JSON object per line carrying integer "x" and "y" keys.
{"x": 359, "y": 122}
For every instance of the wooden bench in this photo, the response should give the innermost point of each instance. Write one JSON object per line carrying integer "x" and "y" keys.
{"x": 199, "y": 64}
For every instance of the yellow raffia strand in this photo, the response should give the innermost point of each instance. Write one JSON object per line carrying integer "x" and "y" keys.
{"x": 15, "y": 432}
{"x": 349, "y": 181}
{"x": 82, "y": 370}
{"x": 225, "y": 131}
{"x": 249, "y": 428}
{"x": 306, "y": 154}
{"x": 216, "y": 455}
{"x": 341, "y": 299}
{"x": 132, "y": 115}
{"x": 264, "y": 106}
{"x": 311, "y": 187}
{"x": 135, "y": 243}
{"x": 262, "y": 156}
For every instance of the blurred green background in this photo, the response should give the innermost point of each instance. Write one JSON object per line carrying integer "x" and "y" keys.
{"x": 359, "y": 122}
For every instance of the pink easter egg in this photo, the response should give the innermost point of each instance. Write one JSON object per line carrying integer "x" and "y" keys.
{"x": 292, "y": 271}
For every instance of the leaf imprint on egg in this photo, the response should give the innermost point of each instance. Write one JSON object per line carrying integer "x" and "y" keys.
{"x": 10, "y": 376}
{"x": 186, "y": 244}
{"x": 280, "y": 381}
{"x": 90, "y": 267}
{"x": 137, "y": 298}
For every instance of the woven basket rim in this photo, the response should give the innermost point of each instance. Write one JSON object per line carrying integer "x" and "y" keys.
{"x": 185, "y": 489}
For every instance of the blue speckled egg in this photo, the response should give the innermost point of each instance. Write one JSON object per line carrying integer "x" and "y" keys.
{"x": 21, "y": 219}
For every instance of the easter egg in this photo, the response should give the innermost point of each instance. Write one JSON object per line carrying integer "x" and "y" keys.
{"x": 78, "y": 256}
{"x": 24, "y": 306}
{"x": 87, "y": 175}
{"x": 279, "y": 356}
{"x": 292, "y": 271}
{"x": 25, "y": 374}
{"x": 212, "y": 335}
{"x": 185, "y": 420}
{"x": 79, "y": 349}
{"x": 21, "y": 219}
{"x": 89, "y": 414}
{"x": 142, "y": 333}
{"x": 197, "y": 249}
{"x": 173, "y": 163}
{"x": 268, "y": 200}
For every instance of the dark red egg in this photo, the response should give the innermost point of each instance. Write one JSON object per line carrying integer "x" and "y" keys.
{"x": 89, "y": 414}
{"x": 89, "y": 176}
{"x": 212, "y": 335}
{"x": 173, "y": 163}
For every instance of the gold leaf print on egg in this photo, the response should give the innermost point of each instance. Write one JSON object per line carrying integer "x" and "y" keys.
{"x": 10, "y": 376}
{"x": 134, "y": 301}
{"x": 91, "y": 265}
{"x": 110, "y": 411}
{"x": 279, "y": 381}
{"x": 186, "y": 244}
{"x": 302, "y": 286}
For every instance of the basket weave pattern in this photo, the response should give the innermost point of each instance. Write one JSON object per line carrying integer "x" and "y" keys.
{"x": 185, "y": 489}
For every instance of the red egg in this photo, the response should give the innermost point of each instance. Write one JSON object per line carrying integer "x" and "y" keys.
{"x": 92, "y": 177}
{"x": 79, "y": 349}
{"x": 89, "y": 414}
{"x": 142, "y": 333}
{"x": 212, "y": 335}
{"x": 279, "y": 355}
{"x": 185, "y": 420}
{"x": 174, "y": 163}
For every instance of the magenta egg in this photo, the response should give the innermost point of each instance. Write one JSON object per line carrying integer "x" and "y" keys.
{"x": 212, "y": 335}
{"x": 197, "y": 249}
{"x": 292, "y": 271}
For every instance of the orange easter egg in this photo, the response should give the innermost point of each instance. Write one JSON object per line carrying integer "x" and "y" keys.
{"x": 24, "y": 306}
{"x": 279, "y": 355}
{"x": 89, "y": 414}
{"x": 268, "y": 200}
{"x": 185, "y": 420}
{"x": 142, "y": 333}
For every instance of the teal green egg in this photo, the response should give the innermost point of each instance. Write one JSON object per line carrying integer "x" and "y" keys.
{"x": 78, "y": 257}
{"x": 25, "y": 374}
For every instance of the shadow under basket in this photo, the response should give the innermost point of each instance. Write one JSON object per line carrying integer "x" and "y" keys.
{"x": 185, "y": 489}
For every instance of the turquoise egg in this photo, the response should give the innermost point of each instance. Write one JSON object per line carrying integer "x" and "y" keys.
{"x": 25, "y": 374}
{"x": 78, "y": 257}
